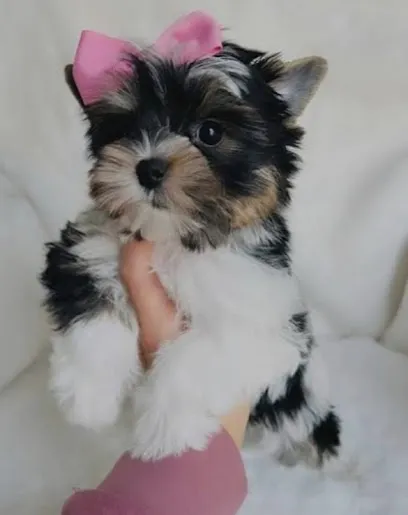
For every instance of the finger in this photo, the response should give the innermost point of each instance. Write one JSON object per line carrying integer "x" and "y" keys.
{"x": 136, "y": 258}
{"x": 155, "y": 311}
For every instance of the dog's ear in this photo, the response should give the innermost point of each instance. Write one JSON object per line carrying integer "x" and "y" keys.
{"x": 299, "y": 81}
{"x": 295, "y": 81}
{"x": 69, "y": 79}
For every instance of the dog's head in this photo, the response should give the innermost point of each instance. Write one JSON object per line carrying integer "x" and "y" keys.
{"x": 199, "y": 150}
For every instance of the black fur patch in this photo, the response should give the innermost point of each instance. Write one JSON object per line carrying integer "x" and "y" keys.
{"x": 246, "y": 55}
{"x": 71, "y": 294}
{"x": 326, "y": 435}
{"x": 271, "y": 414}
{"x": 275, "y": 251}
{"x": 71, "y": 236}
{"x": 192, "y": 242}
{"x": 300, "y": 323}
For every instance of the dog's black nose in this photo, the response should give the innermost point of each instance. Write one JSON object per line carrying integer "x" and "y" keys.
{"x": 150, "y": 172}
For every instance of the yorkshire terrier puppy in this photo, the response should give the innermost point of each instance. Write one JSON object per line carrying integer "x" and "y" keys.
{"x": 197, "y": 158}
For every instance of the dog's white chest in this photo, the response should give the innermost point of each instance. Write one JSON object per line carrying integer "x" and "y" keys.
{"x": 224, "y": 282}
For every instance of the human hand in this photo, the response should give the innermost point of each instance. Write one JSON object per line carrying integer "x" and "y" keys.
{"x": 158, "y": 319}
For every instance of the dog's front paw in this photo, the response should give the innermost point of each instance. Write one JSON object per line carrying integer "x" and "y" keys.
{"x": 84, "y": 400}
{"x": 168, "y": 430}
{"x": 86, "y": 397}
{"x": 93, "y": 367}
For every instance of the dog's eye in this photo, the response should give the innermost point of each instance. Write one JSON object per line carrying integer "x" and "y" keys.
{"x": 210, "y": 133}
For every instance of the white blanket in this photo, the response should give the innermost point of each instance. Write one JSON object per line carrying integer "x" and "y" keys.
{"x": 350, "y": 224}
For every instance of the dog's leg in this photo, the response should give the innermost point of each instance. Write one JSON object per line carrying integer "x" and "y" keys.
{"x": 94, "y": 357}
{"x": 299, "y": 423}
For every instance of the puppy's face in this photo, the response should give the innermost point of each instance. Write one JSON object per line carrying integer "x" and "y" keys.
{"x": 202, "y": 149}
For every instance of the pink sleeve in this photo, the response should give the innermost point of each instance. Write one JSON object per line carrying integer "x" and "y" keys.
{"x": 211, "y": 482}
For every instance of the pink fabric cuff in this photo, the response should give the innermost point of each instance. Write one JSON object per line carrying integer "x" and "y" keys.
{"x": 211, "y": 482}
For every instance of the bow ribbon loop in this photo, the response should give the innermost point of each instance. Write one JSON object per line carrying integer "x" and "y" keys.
{"x": 100, "y": 63}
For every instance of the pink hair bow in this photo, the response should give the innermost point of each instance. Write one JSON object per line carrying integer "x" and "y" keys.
{"x": 100, "y": 61}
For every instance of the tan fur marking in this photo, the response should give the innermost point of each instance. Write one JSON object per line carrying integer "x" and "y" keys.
{"x": 247, "y": 211}
{"x": 111, "y": 179}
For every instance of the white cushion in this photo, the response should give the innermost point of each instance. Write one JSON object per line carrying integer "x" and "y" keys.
{"x": 22, "y": 322}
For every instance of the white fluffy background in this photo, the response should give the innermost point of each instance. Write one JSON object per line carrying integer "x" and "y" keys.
{"x": 350, "y": 220}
